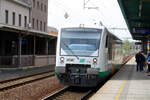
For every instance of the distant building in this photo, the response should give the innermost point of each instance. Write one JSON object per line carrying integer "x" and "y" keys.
{"x": 39, "y": 15}
{"x": 52, "y": 31}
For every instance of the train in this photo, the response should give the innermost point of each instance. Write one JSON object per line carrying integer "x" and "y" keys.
{"x": 86, "y": 56}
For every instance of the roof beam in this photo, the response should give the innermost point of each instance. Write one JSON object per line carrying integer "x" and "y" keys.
{"x": 140, "y": 8}
{"x": 146, "y": 0}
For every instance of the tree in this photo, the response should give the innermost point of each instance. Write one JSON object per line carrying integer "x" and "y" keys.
{"x": 126, "y": 46}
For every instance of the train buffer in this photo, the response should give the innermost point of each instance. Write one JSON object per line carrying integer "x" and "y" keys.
{"x": 126, "y": 84}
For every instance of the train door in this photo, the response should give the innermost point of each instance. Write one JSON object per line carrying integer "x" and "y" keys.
{"x": 110, "y": 40}
{"x": 106, "y": 52}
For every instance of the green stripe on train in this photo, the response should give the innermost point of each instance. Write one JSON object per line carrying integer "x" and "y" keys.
{"x": 57, "y": 73}
{"x": 101, "y": 74}
{"x": 104, "y": 73}
{"x": 82, "y": 60}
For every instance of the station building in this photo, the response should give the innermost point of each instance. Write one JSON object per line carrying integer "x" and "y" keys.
{"x": 24, "y": 38}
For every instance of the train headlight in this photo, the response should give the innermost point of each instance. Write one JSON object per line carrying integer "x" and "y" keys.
{"x": 62, "y": 59}
{"x": 94, "y": 60}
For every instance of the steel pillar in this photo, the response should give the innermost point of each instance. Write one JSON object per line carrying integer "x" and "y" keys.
{"x": 19, "y": 51}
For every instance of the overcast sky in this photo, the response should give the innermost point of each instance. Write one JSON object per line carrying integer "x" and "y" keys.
{"x": 108, "y": 13}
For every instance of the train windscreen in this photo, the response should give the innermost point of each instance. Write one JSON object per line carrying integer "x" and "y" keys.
{"x": 80, "y": 42}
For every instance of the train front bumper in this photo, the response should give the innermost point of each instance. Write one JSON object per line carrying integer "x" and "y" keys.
{"x": 82, "y": 80}
{"x": 93, "y": 71}
{"x": 88, "y": 78}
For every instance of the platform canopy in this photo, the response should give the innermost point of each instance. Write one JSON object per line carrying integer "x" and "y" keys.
{"x": 137, "y": 17}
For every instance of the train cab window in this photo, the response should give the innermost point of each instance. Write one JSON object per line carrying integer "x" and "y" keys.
{"x": 106, "y": 45}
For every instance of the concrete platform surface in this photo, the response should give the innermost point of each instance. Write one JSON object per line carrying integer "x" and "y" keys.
{"x": 127, "y": 84}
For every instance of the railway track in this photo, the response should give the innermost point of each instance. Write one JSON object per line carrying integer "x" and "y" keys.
{"x": 127, "y": 58}
{"x": 19, "y": 81}
{"x": 68, "y": 93}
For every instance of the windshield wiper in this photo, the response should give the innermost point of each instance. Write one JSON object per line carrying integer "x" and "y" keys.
{"x": 70, "y": 50}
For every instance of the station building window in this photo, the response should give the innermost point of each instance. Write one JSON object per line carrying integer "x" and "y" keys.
{"x": 33, "y": 3}
{"x": 41, "y": 6}
{"x": 25, "y": 21}
{"x": 38, "y": 5}
{"x": 45, "y": 8}
{"x": 37, "y": 23}
{"x": 19, "y": 19}
{"x": 6, "y": 16}
{"x": 33, "y": 23}
{"x": 14, "y": 15}
{"x": 44, "y": 26}
{"x": 41, "y": 25}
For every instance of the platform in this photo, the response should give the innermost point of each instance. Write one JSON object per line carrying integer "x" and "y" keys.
{"x": 7, "y": 73}
{"x": 127, "y": 84}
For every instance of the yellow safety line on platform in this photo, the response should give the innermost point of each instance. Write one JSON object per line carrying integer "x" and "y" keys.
{"x": 120, "y": 90}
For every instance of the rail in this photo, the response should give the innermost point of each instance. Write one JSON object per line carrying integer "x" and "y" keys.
{"x": 68, "y": 94}
{"x": 126, "y": 59}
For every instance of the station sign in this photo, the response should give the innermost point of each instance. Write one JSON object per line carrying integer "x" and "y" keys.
{"x": 141, "y": 31}
{"x": 138, "y": 43}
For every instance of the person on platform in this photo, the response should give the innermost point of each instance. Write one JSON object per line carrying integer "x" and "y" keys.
{"x": 148, "y": 62}
{"x": 143, "y": 61}
{"x": 140, "y": 60}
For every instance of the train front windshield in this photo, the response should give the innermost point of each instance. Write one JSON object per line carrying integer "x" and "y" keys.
{"x": 80, "y": 42}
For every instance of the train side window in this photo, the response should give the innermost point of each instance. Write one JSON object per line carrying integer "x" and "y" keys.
{"x": 110, "y": 48}
{"x": 106, "y": 45}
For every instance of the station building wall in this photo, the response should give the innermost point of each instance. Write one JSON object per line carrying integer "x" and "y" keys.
{"x": 10, "y": 7}
{"x": 39, "y": 15}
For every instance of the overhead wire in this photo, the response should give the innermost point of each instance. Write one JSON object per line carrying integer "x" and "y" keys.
{"x": 103, "y": 16}
{"x": 107, "y": 18}
{"x": 101, "y": 13}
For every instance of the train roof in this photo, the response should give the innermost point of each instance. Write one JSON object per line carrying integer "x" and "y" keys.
{"x": 117, "y": 38}
{"x": 102, "y": 27}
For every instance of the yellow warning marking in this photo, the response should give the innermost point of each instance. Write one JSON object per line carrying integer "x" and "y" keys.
{"x": 120, "y": 90}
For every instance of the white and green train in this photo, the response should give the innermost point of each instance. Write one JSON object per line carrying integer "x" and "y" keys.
{"x": 86, "y": 56}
